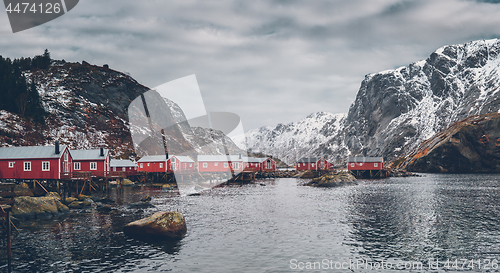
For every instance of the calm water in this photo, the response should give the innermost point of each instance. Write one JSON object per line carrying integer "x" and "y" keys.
{"x": 281, "y": 227}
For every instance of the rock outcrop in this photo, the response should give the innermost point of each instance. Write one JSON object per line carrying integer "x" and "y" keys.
{"x": 332, "y": 180}
{"x": 468, "y": 146}
{"x": 165, "y": 225}
{"x": 46, "y": 207}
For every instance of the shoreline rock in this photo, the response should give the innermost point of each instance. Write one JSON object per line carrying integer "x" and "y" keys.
{"x": 161, "y": 225}
{"x": 332, "y": 180}
{"x": 45, "y": 207}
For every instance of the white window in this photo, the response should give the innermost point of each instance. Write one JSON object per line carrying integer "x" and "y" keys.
{"x": 27, "y": 166}
{"x": 360, "y": 164}
{"x": 148, "y": 164}
{"x": 11, "y": 164}
{"x": 268, "y": 164}
{"x": 375, "y": 164}
{"x": 45, "y": 166}
{"x": 248, "y": 165}
{"x": 225, "y": 165}
{"x": 135, "y": 168}
{"x": 172, "y": 166}
{"x": 114, "y": 168}
{"x": 142, "y": 166}
{"x": 298, "y": 165}
{"x": 236, "y": 165}
{"x": 190, "y": 164}
{"x": 124, "y": 168}
{"x": 173, "y": 160}
{"x": 352, "y": 164}
{"x": 205, "y": 165}
{"x": 161, "y": 165}
{"x": 216, "y": 163}
{"x": 93, "y": 166}
{"x": 312, "y": 165}
{"x": 77, "y": 166}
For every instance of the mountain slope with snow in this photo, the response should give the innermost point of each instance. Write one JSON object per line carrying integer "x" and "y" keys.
{"x": 396, "y": 110}
{"x": 289, "y": 142}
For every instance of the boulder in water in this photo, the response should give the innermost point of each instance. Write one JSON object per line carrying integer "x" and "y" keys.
{"x": 166, "y": 225}
{"x": 45, "y": 207}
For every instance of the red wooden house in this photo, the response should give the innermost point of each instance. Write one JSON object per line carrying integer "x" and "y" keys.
{"x": 252, "y": 164}
{"x": 313, "y": 163}
{"x": 179, "y": 163}
{"x": 35, "y": 162}
{"x": 267, "y": 164}
{"x": 96, "y": 162}
{"x": 160, "y": 163}
{"x": 220, "y": 163}
{"x": 123, "y": 165}
{"x": 263, "y": 164}
{"x": 365, "y": 163}
{"x": 153, "y": 164}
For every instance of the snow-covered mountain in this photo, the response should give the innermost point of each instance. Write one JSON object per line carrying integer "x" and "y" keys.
{"x": 292, "y": 141}
{"x": 396, "y": 110}
{"x": 87, "y": 106}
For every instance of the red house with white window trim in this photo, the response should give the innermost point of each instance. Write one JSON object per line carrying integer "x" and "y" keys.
{"x": 220, "y": 163}
{"x": 123, "y": 165}
{"x": 267, "y": 164}
{"x": 313, "y": 163}
{"x": 365, "y": 163}
{"x": 160, "y": 163}
{"x": 263, "y": 164}
{"x": 179, "y": 163}
{"x": 153, "y": 164}
{"x": 96, "y": 161}
{"x": 35, "y": 162}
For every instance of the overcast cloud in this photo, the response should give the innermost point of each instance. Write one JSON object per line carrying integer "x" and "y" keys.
{"x": 268, "y": 61}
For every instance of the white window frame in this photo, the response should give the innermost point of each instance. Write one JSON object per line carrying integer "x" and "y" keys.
{"x": 268, "y": 163}
{"x": 11, "y": 164}
{"x": 190, "y": 164}
{"x": 226, "y": 165}
{"x": 79, "y": 166}
{"x": 375, "y": 164}
{"x": 124, "y": 169}
{"x": 27, "y": 166}
{"x": 45, "y": 166}
{"x": 161, "y": 165}
{"x": 93, "y": 166}
{"x": 352, "y": 165}
{"x": 216, "y": 164}
{"x": 205, "y": 165}
{"x": 141, "y": 165}
{"x": 312, "y": 165}
{"x": 236, "y": 165}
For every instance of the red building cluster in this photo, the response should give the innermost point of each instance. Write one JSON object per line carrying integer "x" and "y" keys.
{"x": 313, "y": 163}
{"x": 58, "y": 162}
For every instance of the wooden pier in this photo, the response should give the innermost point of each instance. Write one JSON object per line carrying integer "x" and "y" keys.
{"x": 6, "y": 202}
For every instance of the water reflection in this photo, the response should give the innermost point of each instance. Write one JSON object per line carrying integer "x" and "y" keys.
{"x": 416, "y": 219}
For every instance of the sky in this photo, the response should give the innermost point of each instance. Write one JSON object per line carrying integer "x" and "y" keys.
{"x": 269, "y": 62}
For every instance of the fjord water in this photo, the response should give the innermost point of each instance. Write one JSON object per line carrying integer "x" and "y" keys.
{"x": 278, "y": 226}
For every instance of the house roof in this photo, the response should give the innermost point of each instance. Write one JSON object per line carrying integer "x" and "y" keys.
{"x": 360, "y": 159}
{"x": 309, "y": 160}
{"x": 256, "y": 159}
{"x": 31, "y": 152}
{"x": 89, "y": 154}
{"x": 122, "y": 163}
{"x": 153, "y": 158}
{"x": 220, "y": 158}
{"x": 182, "y": 158}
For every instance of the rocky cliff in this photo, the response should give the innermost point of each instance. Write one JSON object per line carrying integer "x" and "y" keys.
{"x": 87, "y": 106}
{"x": 396, "y": 110}
{"x": 467, "y": 146}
